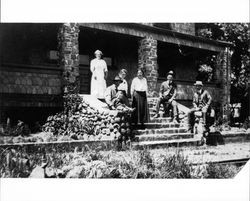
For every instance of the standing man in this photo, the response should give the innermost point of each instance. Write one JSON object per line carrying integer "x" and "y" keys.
{"x": 167, "y": 96}
{"x": 201, "y": 102}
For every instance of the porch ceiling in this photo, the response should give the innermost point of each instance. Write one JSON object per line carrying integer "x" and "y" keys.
{"x": 140, "y": 30}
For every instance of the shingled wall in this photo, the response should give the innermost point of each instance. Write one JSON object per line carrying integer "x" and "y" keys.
{"x": 29, "y": 83}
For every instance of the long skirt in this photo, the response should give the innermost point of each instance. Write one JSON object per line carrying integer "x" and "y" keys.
{"x": 98, "y": 87}
{"x": 141, "y": 113}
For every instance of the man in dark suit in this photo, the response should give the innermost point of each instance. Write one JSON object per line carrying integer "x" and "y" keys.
{"x": 201, "y": 102}
{"x": 167, "y": 96}
{"x": 111, "y": 93}
{"x": 115, "y": 98}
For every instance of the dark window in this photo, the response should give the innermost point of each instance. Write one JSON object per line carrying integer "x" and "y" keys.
{"x": 27, "y": 43}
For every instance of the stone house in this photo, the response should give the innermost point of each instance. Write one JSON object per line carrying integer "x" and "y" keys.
{"x": 38, "y": 61}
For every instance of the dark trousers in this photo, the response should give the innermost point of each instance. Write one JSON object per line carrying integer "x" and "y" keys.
{"x": 165, "y": 103}
{"x": 191, "y": 116}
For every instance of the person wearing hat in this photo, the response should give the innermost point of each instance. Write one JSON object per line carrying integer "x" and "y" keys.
{"x": 99, "y": 70}
{"x": 112, "y": 94}
{"x": 167, "y": 96}
{"x": 201, "y": 102}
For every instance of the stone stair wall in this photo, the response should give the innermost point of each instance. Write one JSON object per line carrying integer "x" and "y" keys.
{"x": 161, "y": 132}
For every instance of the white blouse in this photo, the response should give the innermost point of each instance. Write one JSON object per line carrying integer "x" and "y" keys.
{"x": 98, "y": 67}
{"x": 139, "y": 85}
{"x": 123, "y": 86}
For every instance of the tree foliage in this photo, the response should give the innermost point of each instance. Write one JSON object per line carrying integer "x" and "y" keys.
{"x": 239, "y": 35}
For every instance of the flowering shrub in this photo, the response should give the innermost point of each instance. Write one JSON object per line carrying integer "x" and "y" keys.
{"x": 79, "y": 121}
{"x": 206, "y": 72}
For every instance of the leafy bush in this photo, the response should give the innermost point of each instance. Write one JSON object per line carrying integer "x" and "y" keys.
{"x": 221, "y": 171}
{"x": 80, "y": 121}
{"x": 21, "y": 129}
{"x": 175, "y": 166}
{"x": 108, "y": 164}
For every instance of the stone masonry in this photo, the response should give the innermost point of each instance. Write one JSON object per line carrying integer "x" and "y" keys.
{"x": 69, "y": 57}
{"x": 223, "y": 72}
{"x": 186, "y": 28}
{"x": 147, "y": 60}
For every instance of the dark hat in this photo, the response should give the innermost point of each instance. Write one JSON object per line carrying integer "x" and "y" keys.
{"x": 198, "y": 83}
{"x": 117, "y": 78}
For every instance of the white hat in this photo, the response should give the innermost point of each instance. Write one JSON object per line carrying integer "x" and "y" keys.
{"x": 98, "y": 52}
{"x": 117, "y": 78}
{"x": 198, "y": 83}
{"x": 171, "y": 72}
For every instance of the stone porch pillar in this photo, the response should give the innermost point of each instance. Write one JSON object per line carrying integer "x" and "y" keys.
{"x": 69, "y": 57}
{"x": 223, "y": 76}
{"x": 147, "y": 60}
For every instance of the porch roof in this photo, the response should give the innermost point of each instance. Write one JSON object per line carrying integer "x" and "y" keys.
{"x": 141, "y": 30}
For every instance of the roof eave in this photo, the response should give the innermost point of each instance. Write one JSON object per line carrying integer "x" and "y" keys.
{"x": 182, "y": 35}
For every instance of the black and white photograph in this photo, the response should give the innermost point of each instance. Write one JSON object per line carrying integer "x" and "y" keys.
{"x": 124, "y": 100}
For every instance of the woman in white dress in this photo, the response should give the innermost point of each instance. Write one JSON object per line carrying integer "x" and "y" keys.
{"x": 99, "y": 70}
{"x": 139, "y": 91}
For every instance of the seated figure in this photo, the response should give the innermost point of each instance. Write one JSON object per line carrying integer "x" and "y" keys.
{"x": 115, "y": 98}
{"x": 167, "y": 96}
{"x": 123, "y": 87}
{"x": 119, "y": 103}
{"x": 201, "y": 103}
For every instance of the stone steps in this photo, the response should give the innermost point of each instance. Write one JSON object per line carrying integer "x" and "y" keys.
{"x": 152, "y": 113}
{"x": 165, "y": 120}
{"x": 160, "y": 120}
{"x": 152, "y": 103}
{"x": 163, "y": 137}
{"x": 162, "y": 131}
{"x": 166, "y": 143}
{"x": 152, "y": 125}
{"x": 161, "y": 115}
